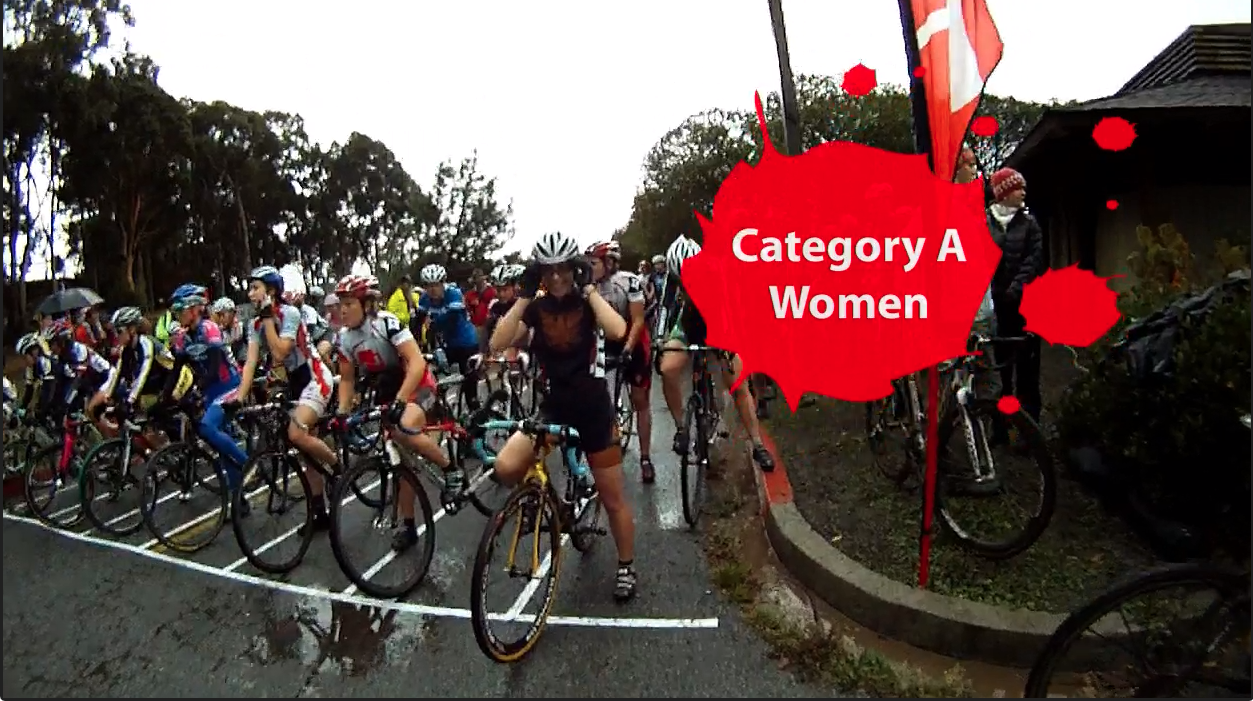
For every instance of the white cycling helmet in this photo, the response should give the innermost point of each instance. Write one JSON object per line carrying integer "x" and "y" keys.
{"x": 29, "y": 342}
{"x": 555, "y": 248}
{"x": 658, "y": 259}
{"x": 679, "y": 251}
{"x": 127, "y": 316}
{"x": 222, "y": 305}
{"x": 507, "y": 274}
{"x": 433, "y": 274}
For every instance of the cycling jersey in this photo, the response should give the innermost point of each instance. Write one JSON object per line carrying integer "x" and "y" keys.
{"x": 448, "y": 317}
{"x": 203, "y": 349}
{"x": 142, "y": 369}
{"x": 307, "y": 375}
{"x": 373, "y": 349}
{"x": 620, "y": 290}
{"x": 319, "y": 329}
{"x": 41, "y": 379}
{"x": 688, "y": 326}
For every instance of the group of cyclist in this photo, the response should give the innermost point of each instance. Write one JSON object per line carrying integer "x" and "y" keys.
{"x": 573, "y": 309}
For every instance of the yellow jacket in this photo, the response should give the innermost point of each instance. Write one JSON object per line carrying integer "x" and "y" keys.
{"x": 396, "y": 304}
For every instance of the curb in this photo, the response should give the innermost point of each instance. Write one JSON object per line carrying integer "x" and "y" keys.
{"x": 938, "y": 623}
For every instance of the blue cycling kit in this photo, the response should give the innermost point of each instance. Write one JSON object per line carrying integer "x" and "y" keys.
{"x": 203, "y": 348}
{"x": 450, "y": 319}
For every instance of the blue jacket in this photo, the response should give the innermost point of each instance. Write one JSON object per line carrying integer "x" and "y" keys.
{"x": 450, "y": 318}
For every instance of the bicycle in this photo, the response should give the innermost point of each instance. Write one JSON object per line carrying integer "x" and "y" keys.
{"x": 178, "y": 463}
{"x": 903, "y": 413}
{"x": 1176, "y": 658}
{"x": 701, "y": 417}
{"x": 68, "y": 455}
{"x": 273, "y": 467}
{"x": 542, "y": 512}
{"x": 974, "y": 417}
{"x": 113, "y": 472}
{"x": 397, "y": 465}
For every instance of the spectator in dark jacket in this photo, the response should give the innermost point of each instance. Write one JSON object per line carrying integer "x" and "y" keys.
{"x": 1021, "y": 241}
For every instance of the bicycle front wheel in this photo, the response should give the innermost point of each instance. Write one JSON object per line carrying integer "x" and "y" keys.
{"x": 187, "y": 517}
{"x": 693, "y": 462}
{"x": 51, "y": 495}
{"x": 530, "y": 511}
{"x": 368, "y": 561}
{"x": 273, "y": 498}
{"x": 1205, "y": 655}
{"x": 105, "y": 480}
{"x": 995, "y": 493}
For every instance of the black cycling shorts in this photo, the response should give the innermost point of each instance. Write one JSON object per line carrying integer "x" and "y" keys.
{"x": 587, "y": 408}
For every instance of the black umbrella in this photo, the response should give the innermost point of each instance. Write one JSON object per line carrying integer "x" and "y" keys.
{"x": 69, "y": 300}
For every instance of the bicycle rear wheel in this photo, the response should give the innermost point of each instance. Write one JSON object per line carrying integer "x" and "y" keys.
{"x": 625, "y": 410}
{"x": 984, "y": 516}
{"x": 50, "y": 495}
{"x": 347, "y": 531}
{"x": 103, "y": 482}
{"x": 529, "y": 503}
{"x": 693, "y": 462}
{"x": 1226, "y": 617}
{"x": 266, "y": 490}
{"x": 893, "y": 438}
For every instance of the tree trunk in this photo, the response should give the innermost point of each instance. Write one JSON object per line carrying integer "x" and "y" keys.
{"x": 243, "y": 222}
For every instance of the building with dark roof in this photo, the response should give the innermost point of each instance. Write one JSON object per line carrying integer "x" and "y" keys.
{"x": 1189, "y": 164}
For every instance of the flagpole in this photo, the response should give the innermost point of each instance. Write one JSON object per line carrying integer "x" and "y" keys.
{"x": 787, "y": 83}
{"x": 922, "y": 144}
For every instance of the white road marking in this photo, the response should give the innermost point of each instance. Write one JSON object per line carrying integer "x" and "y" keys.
{"x": 405, "y": 607}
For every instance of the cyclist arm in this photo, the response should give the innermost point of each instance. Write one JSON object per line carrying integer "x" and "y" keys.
{"x": 635, "y": 299}
{"x": 281, "y": 339}
{"x": 511, "y": 327}
{"x": 347, "y": 383}
{"x": 147, "y": 356}
{"x": 246, "y": 375}
{"x": 608, "y": 318}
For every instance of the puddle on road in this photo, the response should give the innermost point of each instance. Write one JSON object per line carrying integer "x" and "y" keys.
{"x": 335, "y": 637}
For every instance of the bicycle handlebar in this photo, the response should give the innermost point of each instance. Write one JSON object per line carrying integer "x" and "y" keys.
{"x": 531, "y": 427}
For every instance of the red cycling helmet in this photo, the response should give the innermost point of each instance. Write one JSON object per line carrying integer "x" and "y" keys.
{"x": 357, "y": 286}
{"x": 605, "y": 249}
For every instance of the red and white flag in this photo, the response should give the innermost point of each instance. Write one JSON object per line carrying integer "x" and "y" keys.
{"x": 958, "y": 47}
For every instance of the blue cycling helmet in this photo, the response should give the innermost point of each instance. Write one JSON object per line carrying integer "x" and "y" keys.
{"x": 187, "y": 296}
{"x": 268, "y": 275}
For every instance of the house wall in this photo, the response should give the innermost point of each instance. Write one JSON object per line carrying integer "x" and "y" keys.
{"x": 1203, "y": 214}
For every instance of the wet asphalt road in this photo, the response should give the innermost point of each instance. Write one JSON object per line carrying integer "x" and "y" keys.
{"x": 85, "y": 619}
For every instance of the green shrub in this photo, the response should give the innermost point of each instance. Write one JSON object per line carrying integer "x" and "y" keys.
{"x": 1180, "y": 435}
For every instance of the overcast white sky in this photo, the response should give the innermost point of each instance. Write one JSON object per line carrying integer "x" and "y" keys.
{"x": 564, "y": 98}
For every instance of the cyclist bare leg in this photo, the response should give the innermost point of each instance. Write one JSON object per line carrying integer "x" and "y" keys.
{"x": 746, "y": 407}
{"x": 413, "y": 420}
{"x": 301, "y": 433}
{"x": 672, "y": 365}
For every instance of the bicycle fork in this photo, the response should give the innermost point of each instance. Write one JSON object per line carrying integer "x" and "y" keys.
{"x": 976, "y": 438}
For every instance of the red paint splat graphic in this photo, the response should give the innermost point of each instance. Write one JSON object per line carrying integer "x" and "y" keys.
{"x": 785, "y": 303}
{"x": 984, "y": 125}
{"x": 1114, "y": 134}
{"x": 1008, "y": 405}
{"x": 859, "y": 81}
{"x": 1069, "y": 306}
{"x": 920, "y": 71}
{"x": 1111, "y": 205}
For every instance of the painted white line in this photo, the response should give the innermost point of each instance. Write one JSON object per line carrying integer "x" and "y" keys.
{"x": 528, "y": 592}
{"x": 532, "y": 585}
{"x": 405, "y": 607}
{"x": 290, "y": 532}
